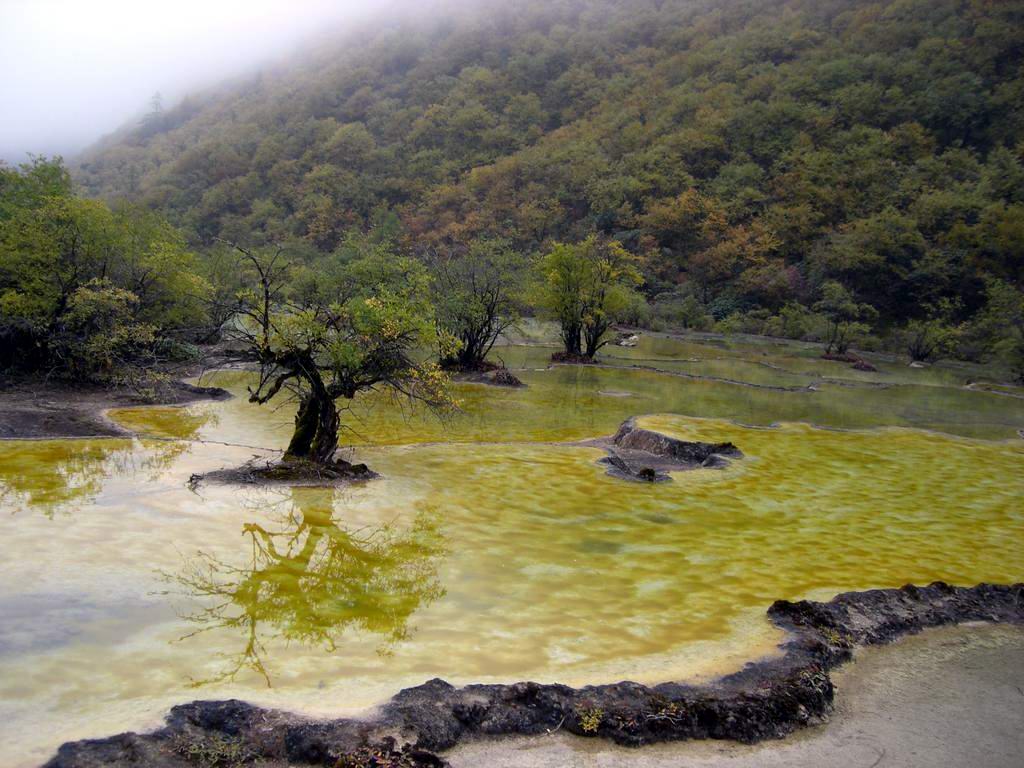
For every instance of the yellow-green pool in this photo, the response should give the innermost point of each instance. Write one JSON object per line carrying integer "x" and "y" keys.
{"x": 492, "y": 548}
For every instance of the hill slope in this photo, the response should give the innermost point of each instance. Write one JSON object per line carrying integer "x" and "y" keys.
{"x": 749, "y": 150}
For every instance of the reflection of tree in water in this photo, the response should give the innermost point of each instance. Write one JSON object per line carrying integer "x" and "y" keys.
{"x": 51, "y": 477}
{"x": 59, "y": 475}
{"x": 309, "y": 579}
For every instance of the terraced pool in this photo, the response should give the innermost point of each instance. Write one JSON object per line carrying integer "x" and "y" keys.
{"x": 493, "y": 548}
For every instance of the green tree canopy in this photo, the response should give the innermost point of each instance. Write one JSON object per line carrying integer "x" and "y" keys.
{"x": 77, "y": 277}
{"x": 845, "y": 315}
{"x": 479, "y": 292}
{"x": 353, "y": 322}
{"x": 586, "y": 287}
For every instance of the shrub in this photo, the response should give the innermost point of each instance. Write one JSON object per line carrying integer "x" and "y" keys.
{"x": 845, "y": 317}
{"x": 999, "y": 327}
{"x": 98, "y": 339}
{"x": 794, "y": 321}
{"x": 754, "y": 322}
{"x": 80, "y": 280}
{"x": 681, "y": 310}
{"x": 934, "y": 337}
{"x": 723, "y": 306}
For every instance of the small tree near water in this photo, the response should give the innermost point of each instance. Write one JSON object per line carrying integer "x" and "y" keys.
{"x": 479, "y": 297}
{"x": 935, "y": 335}
{"x": 335, "y": 330}
{"x": 845, "y": 316}
{"x": 586, "y": 287}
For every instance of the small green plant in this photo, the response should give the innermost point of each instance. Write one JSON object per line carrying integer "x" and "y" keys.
{"x": 214, "y": 751}
{"x": 375, "y": 757}
{"x": 835, "y": 637}
{"x": 664, "y": 711}
{"x": 590, "y": 719}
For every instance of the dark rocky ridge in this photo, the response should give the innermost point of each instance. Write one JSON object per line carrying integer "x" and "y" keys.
{"x": 767, "y": 699}
{"x": 645, "y": 455}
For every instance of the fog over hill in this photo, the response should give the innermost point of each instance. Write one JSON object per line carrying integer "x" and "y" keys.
{"x": 749, "y": 149}
{"x": 76, "y": 70}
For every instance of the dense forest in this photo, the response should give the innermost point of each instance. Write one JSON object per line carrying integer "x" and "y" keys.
{"x": 808, "y": 168}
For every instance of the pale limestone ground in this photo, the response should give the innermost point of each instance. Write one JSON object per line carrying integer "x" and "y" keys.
{"x": 949, "y": 698}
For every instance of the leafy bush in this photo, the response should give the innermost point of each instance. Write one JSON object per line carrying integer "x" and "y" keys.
{"x": 723, "y": 306}
{"x": 98, "y": 338}
{"x": 844, "y": 315}
{"x": 794, "y": 321}
{"x": 175, "y": 350}
{"x": 86, "y": 290}
{"x": 934, "y": 336}
{"x": 681, "y": 310}
{"x": 753, "y": 321}
{"x": 1000, "y": 325}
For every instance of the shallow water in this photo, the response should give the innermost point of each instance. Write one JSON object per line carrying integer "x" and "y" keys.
{"x": 489, "y": 550}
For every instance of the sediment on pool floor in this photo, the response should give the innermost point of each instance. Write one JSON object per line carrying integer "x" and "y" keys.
{"x": 767, "y": 699}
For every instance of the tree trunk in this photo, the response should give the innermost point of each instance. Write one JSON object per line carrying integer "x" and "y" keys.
{"x": 306, "y": 421}
{"x": 316, "y": 429}
{"x": 469, "y": 357}
{"x": 593, "y": 336}
{"x": 833, "y": 336}
{"x": 326, "y": 441}
{"x": 571, "y": 339}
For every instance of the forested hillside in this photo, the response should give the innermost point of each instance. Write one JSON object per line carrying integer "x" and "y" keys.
{"x": 749, "y": 152}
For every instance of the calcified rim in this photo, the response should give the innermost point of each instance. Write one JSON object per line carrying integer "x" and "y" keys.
{"x": 767, "y": 699}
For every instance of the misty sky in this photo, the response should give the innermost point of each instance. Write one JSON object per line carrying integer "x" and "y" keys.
{"x": 73, "y": 70}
